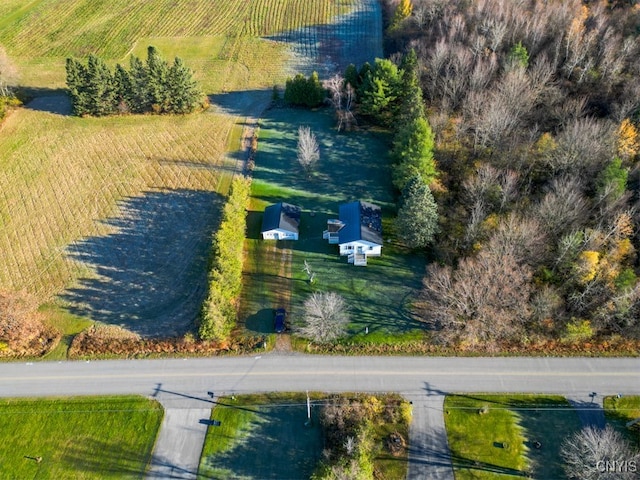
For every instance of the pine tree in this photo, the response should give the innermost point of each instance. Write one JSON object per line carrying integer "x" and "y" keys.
{"x": 140, "y": 100}
{"x": 417, "y": 220}
{"x": 124, "y": 88}
{"x": 413, "y": 153}
{"x": 379, "y": 92}
{"x": 157, "y": 80}
{"x": 184, "y": 95}
{"x": 410, "y": 92}
{"x": 77, "y": 87}
{"x": 100, "y": 88}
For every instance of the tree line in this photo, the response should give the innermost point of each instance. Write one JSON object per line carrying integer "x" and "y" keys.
{"x": 152, "y": 86}
{"x": 535, "y": 112}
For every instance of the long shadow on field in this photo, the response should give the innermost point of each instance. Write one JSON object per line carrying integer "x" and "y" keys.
{"x": 355, "y": 38}
{"x": 275, "y": 445}
{"x": 151, "y": 272}
{"x": 109, "y": 459}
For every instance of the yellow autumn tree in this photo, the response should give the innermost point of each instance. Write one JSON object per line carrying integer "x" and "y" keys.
{"x": 628, "y": 140}
{"x": 587, "y": 266}
{"x": 403, "y": 11}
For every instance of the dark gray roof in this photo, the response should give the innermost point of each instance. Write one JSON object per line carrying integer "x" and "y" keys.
{"x": 281, "y": 215}
{"x": 363, "y": 221}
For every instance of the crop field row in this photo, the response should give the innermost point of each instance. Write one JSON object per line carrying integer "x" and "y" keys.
{"x": 59, "y": 176}
{"x": 50, "y": 28}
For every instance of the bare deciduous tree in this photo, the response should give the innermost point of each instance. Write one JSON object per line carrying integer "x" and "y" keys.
{"x": 8, "y": 74}
{"x": 325, "y": 317}
{"x": 341, "y": 97}
{"x": 599, "y": 454}
{"x": 563, "y": 207}
{"x": 485, "y": 300}
{"x": 308, "y": 150}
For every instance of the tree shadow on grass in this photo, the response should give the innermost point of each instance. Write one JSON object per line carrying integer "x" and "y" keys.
{"x": 151, "y": 272}
{"x": 276, "y": 445}
{"x": 107, "y": 459}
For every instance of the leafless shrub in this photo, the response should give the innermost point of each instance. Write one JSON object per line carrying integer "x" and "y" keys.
{"x": 586, "y": 452}
{"x": 325, "y": 317}
{"x": 308, "y": 150}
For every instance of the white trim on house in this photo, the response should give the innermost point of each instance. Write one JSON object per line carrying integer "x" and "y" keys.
{"x": 279, "y": 234}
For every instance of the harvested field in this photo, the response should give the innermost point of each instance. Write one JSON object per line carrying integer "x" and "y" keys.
{"x": 59, "y": 176}
{"x": 353, "y": 37}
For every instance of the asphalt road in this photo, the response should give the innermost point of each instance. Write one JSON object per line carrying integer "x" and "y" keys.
{"x": 186, "y": 382}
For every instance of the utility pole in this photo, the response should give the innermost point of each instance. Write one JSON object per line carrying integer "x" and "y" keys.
{"x": 308, "y": 423}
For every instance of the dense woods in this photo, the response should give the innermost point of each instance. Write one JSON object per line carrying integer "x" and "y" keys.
{"x": 151, "y": 86}
{"x": 534, "y": 109}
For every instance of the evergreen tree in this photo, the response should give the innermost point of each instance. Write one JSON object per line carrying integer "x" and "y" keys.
{"x": 140, "y": 100}
{"x": 124, "y": 88}
{"x": 157, "y": 80}
{"x": 100, "y": 88}
{"x": 351, "y": 76}
{"x": 77, "y": 87}
{"x": 184, "y": 94}
{"x": 410, "y": 92}
{"x": 417, "y": 220}
{"x": 379, "y": 92}
{"x": 413, "y": 153}
{"x": 304, "y": 92}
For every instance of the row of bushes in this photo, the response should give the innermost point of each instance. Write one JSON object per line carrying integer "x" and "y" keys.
{"x": 219, "y": 312}
{"x": 111, "y": 341}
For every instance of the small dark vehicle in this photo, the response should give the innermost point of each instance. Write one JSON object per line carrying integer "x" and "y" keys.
{"x": 278, "y": 320}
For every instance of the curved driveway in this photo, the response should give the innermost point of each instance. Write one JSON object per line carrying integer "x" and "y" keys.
{"x": 187, "y": 378}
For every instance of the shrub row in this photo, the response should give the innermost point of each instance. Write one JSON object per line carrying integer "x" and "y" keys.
{"x": 219, "y": 312}
{"x": 109, "y": 341}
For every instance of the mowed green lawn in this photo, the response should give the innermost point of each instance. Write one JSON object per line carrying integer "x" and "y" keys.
{"x": 352, "y": 166}
{"x": 620, "y": 411}
{"x": 518, "y": 435}
{"x": 77, "y": 438}
{"x": 261, "y": 437}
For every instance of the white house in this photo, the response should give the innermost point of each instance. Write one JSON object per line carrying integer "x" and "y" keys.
{"x": 280, "y": 222}
{"x": 358, "y": 232}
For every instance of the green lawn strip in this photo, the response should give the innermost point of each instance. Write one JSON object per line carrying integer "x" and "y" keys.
{"x": 620, "y": 411}
{"x": 261, "y": 436}
{"x": 69, "y": 324}
{"x": 79, "y": 438}
{"x": 352, "y": 166}
{"x": 518, "y": 434}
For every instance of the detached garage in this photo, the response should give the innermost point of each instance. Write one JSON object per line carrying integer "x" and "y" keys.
{"x": 280, "y": 222}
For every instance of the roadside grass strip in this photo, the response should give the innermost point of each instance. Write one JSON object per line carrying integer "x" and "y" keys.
{"x": 352, "y": 166}
{"x": 508, "y": 436}
{"x": 261, "y": 436}
{"x": 81, "y": 438}
{"x": 620, "y": 411}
